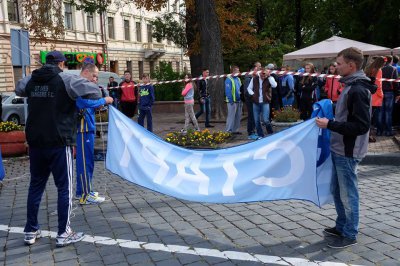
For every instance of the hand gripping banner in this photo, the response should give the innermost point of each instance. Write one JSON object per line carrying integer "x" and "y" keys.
{"x": 282, "y": 166}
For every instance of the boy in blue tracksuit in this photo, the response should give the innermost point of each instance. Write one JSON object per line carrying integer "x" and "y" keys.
{"x": 146, "y": 100}
{"x": 85, "y": 146}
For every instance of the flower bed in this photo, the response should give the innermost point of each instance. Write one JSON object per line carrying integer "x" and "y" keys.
{"x": 286, "y": 114}
{"x": 12, "y": 139}
{"x": 198, "y": 139}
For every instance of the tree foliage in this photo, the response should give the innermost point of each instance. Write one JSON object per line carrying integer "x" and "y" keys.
{"x": 167, "y": 92}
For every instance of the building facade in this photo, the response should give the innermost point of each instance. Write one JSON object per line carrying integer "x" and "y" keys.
{"x": 118, "y": 40}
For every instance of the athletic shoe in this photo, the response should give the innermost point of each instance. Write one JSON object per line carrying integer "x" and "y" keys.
{"x": 30, "y": 237}
{"x": 332, "y": 232}
{"x": 253, "y": 137}
{"x": 259, "y": 138}
{"x": 183, "y": 131}
{"x": 94, "y": 193}
{"x": 342, "y": 242}
{"x": 66, "y": 239}
{"x": 91, "y": 199}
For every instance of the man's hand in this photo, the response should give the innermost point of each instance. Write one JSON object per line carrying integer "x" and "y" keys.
{"x": 322, "y": 122}
{"x": 109, "y": 100}
{"x": 397, "y": 99}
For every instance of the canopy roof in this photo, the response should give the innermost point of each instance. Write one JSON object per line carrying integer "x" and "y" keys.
{"x": 332, "y": 46}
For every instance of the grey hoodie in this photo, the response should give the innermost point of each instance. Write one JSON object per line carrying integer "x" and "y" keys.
{"x": 350, "y": 129}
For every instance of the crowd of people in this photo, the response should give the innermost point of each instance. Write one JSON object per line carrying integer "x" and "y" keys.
{"x": 302, "y": 91}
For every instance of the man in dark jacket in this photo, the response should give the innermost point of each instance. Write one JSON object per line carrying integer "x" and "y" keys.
{"x": 204, "y": 101}
{"x": 349, "y": 144}
{"x": 51, "y": 133}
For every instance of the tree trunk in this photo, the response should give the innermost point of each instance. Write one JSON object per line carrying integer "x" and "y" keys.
{"x": 211, "y": 53}
{"x": 297, "y": 29}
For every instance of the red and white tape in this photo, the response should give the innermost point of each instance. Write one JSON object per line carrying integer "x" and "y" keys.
{"x": 247, "y": 73}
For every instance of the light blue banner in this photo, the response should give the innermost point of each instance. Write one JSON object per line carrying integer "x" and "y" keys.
{"x": 282, "y": 166}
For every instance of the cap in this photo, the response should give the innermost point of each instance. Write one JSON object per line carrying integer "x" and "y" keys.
{"x": 270, "y": 66}
{"x": 55, "y": 57}
{"x": 88, "y": 60}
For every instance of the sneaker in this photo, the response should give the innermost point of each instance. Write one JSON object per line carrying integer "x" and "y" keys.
{"x": 94, "y": 193}
{"x": 253, "y": 137}
{"x": 30, "y": 237}
{"x": 259, "y": 138}
{"x": 183, "y": 131}
{"x": 66, "y": 239}
{"x": 332, "y": 232}
{"x": 209, "y": 126}
{"x": 91, "y": 199}
{"x": 343, "y": 242}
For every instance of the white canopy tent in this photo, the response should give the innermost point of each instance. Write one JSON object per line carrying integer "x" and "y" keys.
{"x": 396, "y": 51}
{"x": 323, "y": 53}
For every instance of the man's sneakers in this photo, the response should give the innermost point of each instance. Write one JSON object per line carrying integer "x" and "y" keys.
{"x": 332, "y": 232}
{"x": 30, "y": 237}
{"x": 91, "y": 198}
{"x": 94, "y": 193}
{"x": 342, "y": 242}
{"x": 66, "y": 239}
{"x": 252, "y": 136}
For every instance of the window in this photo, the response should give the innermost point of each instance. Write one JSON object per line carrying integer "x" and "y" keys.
{"x": 138, "y": 32}
{"x": 111, "y": 34}
{"x": 151, "y": 67}
{"x": 13, "y": 14}
{"x": 168, "y": 42}
{"x": 68, "y": 16}
{"x": 129, "y": 66}
{"x": 178, "y": 66}
{"x": 149, "y": 33}
{"x": 90, "y": 22}
{"x": 140, "y": 64}
{"x": 127, "y": 30}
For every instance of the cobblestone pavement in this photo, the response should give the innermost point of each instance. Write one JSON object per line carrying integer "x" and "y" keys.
{"x": 136, "y": 226}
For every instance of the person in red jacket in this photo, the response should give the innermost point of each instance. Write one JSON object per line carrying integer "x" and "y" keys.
{"x": 374, "y": 72}
{"x": 128, "y": 92}
{"x": 333, "y": 87}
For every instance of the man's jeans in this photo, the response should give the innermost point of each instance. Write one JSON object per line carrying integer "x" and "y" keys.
{"x": 384, "y": 123}
{"x": 263, "y": 108}
{"x": 205, "y": 107}
{"x": 345, "y": 193}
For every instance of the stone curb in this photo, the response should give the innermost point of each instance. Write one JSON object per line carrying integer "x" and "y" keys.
{"x": 382, "y": 159}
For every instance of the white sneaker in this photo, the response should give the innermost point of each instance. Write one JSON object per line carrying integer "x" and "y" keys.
{"x": 66, "y": 239}
{"x": 91, "y": 199}
{"x": 94, "y": 193}
{"x": 30, "y": 237}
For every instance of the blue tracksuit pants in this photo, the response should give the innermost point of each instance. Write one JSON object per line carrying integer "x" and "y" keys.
{"x": 84, "y": 163}
{"x": 44, "y": 161}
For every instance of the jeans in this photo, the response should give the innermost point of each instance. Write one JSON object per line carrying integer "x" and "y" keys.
{"x": 148, "y": 115}
{"x": 263, "y": 108}
{"x": 384, "y": 123}
{"x": 250, "y": 117}
{"x": 206, "y": 106}
{"x": 345, "y": 194}
{"x": 288, "y": 101}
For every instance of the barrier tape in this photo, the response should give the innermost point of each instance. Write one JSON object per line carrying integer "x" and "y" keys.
{"x": 244, "y": 74}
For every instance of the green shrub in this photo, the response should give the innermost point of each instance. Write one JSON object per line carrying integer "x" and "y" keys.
{"x": 167, "y": 92}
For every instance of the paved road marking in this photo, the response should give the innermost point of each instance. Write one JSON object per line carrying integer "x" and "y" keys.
{"x": 229, "y": 255}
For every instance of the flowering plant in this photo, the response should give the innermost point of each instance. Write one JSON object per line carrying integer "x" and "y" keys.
{"x": 286, "y": 114}
{"x": 203, "y": 138}
{"x": 9, "y": 126}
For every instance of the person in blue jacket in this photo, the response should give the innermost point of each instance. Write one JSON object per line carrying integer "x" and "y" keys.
{"x": 85, "y": 140}
{"x": 232, "y": 98}
{"x": 146, "y": 100}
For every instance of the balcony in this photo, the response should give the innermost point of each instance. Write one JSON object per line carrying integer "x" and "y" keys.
{"x": 153, "y": 50}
